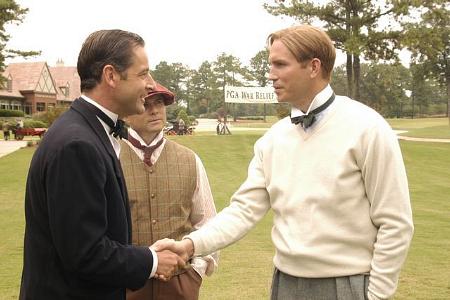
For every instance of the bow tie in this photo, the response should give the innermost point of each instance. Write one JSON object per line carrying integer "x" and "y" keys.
{"x": 308, "y": 119}
{"x": 117, "y": 130}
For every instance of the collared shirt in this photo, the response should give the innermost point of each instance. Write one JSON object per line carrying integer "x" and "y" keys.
{"x": 114, "y": 142}
{"x": 203, "y": 207}
{"x": 318, "y": 100}
{"x": 116, "y": 146}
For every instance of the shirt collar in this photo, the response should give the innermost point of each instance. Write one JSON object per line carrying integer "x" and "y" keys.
{"x": 318, "y": 100}
{"x": 109, "y": 113}
{"x": 138, "y": 137}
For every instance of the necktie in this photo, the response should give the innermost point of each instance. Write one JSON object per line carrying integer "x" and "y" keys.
{"x": 308, "y": 119}
{"x": 117, "y": 130}
{"x": 148, "y": 150}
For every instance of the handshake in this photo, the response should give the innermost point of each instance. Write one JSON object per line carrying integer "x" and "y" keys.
{"x": 172, "y": 256}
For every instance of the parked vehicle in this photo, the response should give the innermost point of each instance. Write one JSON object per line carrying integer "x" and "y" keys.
{"x": 20, "y": 133}
{"x": 173, "y": 128}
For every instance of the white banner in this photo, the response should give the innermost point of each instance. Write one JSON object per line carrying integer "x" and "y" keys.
{"x": 241, "y": 94}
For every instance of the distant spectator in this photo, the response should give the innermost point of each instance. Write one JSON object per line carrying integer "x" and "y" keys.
{"x": 181, "y": 126}
{"x": 5, "y": 129}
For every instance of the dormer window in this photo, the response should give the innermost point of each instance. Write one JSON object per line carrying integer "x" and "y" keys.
{"x": 65, "y": 90}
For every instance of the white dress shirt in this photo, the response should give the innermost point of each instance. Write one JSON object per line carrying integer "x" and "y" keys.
{"x": 114, "y": 142}
{"x": 318, "y": 100}
{"x": 116, "y": 146}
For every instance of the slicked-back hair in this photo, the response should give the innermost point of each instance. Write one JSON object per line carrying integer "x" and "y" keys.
{"x": 106, "y": 47}
{"x": 306, "y": 42}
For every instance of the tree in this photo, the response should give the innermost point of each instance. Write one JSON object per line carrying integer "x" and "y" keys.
{"x": 425, "y": 91}
{"x": 204, "y": 89}
{"x": 173, "y": 76}
{"x": 429, "y": 41}
{"x": 260, "y": 67}
{"x": 339, "y": 81}
{"x": 259, "y": 72}
{"x": 358, "y": 28}
{"x": 227, "y": 69}
{"x": 10, "y": 13}
{"x": 384, "y": 88}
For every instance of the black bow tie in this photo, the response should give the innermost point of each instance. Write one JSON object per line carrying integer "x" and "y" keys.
{"x": 308, "y": 119}
{"x": 117, "y": 130}
{"x": 120, "y": 130}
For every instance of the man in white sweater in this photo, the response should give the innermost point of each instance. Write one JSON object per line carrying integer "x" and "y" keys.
{"x": 332, "y": 173}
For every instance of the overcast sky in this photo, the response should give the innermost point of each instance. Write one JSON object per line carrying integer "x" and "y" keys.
{"x": 185, "y": 31}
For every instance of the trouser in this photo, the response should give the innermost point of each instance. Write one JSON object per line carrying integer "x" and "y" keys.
{"x": 185, "y": 286}
{"x": 287, "y": 287}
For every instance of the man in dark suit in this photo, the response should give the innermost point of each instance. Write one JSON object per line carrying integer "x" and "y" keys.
{"x": 78, "y": 227}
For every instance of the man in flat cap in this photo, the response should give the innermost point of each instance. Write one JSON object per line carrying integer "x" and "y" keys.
{"x": 169, "y": 195}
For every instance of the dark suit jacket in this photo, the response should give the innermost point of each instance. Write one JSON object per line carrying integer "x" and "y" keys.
{"x": 78, "y": 226}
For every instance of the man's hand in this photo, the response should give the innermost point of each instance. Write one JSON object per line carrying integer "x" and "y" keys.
{"x": 184, "y": 248}
{"x": 168, "y": 264}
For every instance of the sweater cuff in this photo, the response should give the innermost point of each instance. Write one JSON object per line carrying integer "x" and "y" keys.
{"x": 196, "y": 242}
{"x": 372, "y": 296}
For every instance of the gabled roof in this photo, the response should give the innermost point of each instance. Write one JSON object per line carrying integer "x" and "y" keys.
{"x": 14, "y": 94}
{"x": 64, "y": 76}
{"x": 25, "y": 75}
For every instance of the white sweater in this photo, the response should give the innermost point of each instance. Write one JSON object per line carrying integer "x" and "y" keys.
{"x": 340, "y": 198}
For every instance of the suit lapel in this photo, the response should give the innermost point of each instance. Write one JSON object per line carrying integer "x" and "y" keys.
{"x": 82, "y": 107}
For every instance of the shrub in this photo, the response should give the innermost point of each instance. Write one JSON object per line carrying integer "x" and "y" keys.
{"x": 183, "y": 115}
{"x": 283, "y": 110}
{"x": 34, "y": 124}
{"x": 52, "y": 114}
{"x": 11, "y": 113}
{"x": 192, "y": 120}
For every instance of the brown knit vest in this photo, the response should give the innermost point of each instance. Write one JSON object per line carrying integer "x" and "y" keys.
{"x": 161, "y": 195}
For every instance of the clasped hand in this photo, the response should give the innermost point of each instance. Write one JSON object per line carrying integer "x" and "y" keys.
{"x": 172, "y": 256}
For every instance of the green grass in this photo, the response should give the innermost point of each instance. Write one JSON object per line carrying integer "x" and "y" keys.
{"x": 437, "y": 132}
{"x": 245, "y": 268}
{"x": 13, "y": 172}
{"x": 408, "y": 124}
{"x": 426, "y": 274}
{"x": 437, "y": 128}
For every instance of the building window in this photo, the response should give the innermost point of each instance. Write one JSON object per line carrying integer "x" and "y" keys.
{"x": 4, "y": 104}
{"x": 40, "y": 106}
{"x": 16, "y": 105}
{"x": 27, "y": 108}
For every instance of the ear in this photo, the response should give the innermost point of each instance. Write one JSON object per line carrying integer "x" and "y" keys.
{"x": 110, "y": 76}
{"x": 316, "y": 67}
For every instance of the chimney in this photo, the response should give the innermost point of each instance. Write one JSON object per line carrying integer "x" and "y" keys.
{"x": 60, "y": 62}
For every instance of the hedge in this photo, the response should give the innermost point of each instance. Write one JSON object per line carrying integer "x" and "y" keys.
{"x": 11, "y": 113}
{"x": 34, "y": 124}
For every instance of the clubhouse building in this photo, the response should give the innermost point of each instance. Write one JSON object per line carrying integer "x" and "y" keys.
{"x": 34, "y": 87}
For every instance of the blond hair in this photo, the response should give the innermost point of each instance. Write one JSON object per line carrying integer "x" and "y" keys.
{"x": 306, "y": 42}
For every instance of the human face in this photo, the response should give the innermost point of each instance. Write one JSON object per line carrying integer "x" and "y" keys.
{"x": 291, "y": 79}
{"x": 135, "y": 85}
{"x": 152, "y": 121}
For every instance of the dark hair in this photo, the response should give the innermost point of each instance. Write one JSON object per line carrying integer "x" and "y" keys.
{"x": 106, "y": 47}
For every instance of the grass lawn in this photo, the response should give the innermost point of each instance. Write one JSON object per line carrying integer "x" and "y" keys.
{"x": 437, "y": 132}
{"x": 424, "y": 127}
{"x": 245, "y": 268}
{"x": 13, "y": 172}
{"x": 408, "y": 124}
